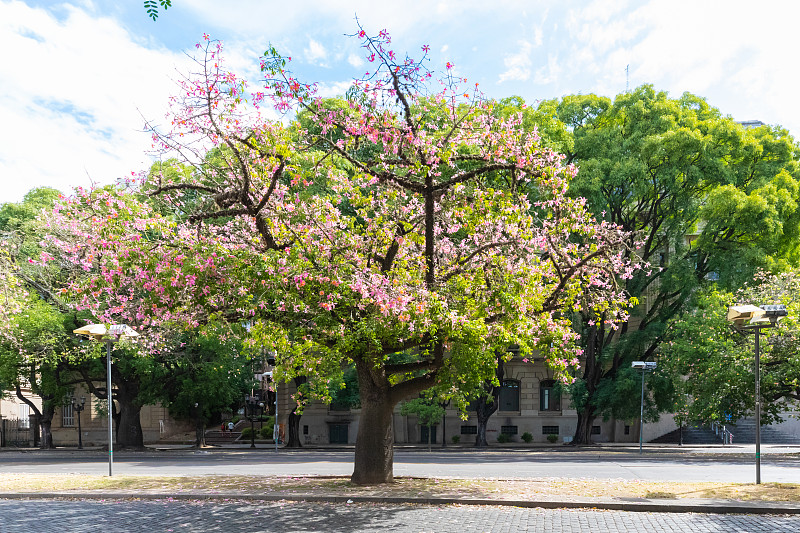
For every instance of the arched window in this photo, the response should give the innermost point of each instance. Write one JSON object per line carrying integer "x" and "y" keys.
{"x": 549, "y": 396}
{"x": 509, "y": 395}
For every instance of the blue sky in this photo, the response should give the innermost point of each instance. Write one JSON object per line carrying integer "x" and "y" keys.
{"x": 78, "y": 78}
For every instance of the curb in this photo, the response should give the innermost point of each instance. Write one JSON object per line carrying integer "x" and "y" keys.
{"x": 631, "y": 504}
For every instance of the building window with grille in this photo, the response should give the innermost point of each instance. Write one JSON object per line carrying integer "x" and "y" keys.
{"x": 67, "y": 414}
{"x": 549, "y": 396}
{"x": 509, "y": 395}
{"x": 24, "y": 416}
{"x": 469, "y": 430}
{"x": 509, "y": 430}
{"x": 549, "y": 430}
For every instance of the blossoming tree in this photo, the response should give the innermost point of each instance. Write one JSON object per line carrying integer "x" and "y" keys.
{"x": 402, "y": 220}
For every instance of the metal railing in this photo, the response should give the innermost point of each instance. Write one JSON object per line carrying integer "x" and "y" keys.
{"x": 721, "y": 431}
{"x": 15, "y": 433}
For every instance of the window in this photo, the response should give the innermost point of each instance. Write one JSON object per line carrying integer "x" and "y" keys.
{"x": 627, "y": 429}
{"x": 469, "y": 430}
{"x": 549, "y": 430}
{"x": 508, "y": 430}
{"x": 595, "y": 430}
{"x": 549, "y": 396}
{"x": 67, "y": 413}
{"x": 24, "y": 416}
{"x": 509, "y": 395}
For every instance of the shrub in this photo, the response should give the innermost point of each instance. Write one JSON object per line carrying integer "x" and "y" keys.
{"x": 455, "y": 438}
{"x": 527, "y": 437}
{"x": 552, "y": 438}
{"x": 246, "y": 433}
{"x": 503, "y": 437}
{"x": 267, "y": 430}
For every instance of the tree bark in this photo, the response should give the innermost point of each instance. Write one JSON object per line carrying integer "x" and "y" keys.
{"x": 293, "y": 421}
{"x": 374, "y": 457}
{"x": 583, "y": 432}
{"x": 129, "y": 428}
{"x": 294, "y": 430}
{"x": 484, "y": 409}
{"x": 46, "y": 423}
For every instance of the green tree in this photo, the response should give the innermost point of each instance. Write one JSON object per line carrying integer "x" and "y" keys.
{"x": 708, "y": 200}
{"x": 711, "y": 365}
{"x": 428, "y": 412}
{"x": 204, "y": 375}
{"x": 397, "y": 238}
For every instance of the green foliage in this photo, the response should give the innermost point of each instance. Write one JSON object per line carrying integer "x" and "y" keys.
{"x": 503, "y": 438}
{"x": 710, "y": 201}
{"x": 429, "y": 412}
{"x": 203, "y": 375}
{"x": 552, "y": 439}
{"x": 456, "y": 439}
{"x": 247, "y": 433}
{"x": 268, "y": 430}
{"x": 711, "y": 366}
{"x": 151, "y": 7}
{"x": 527, "y": 437}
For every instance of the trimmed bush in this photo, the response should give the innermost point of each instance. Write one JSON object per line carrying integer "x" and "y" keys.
{"x": 503, "y": 438}
{"x": 455, "y": 438}
{"x": 552, "y": 438}
{"x": 527, "y": 437}
{"x": 266, "y": 431}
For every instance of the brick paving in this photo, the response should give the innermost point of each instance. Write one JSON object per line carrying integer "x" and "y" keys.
{"x": 121, "y": 516}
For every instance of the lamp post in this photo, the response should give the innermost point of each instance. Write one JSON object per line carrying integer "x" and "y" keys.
{"x": 644, "y": 366}
{"x": 253, "y": 405}
{"x": 748, "y": 318}
{"x": 78, "y": 407}
{"x": 114, "y": 333}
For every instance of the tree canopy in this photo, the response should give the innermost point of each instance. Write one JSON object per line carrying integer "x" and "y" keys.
{"x": 398, "y": 220}
{"x": 710, "y": 200}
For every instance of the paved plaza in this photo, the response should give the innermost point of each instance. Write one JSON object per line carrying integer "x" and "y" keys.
{"x": 60, "y": 516}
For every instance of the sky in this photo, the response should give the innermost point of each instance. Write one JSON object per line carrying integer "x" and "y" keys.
{"x": 79, "y": 78}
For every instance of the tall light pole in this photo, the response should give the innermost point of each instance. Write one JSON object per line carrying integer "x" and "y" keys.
{"x": 114, "y": 333}
{"x": 748, "y": 318}
{"x": 78, "y": 407}
{"x": 644, "y": 366}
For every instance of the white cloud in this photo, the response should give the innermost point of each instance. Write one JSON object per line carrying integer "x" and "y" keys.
{"x": 338, "y": 88}
{"x": 518, "y": 65}
{"x": 74, "y": 92}
{"x": 315, "y": 53}
{"x": 355, "y": 60}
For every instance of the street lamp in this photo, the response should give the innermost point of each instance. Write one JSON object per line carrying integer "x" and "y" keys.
{"x": 748, "y": 318}
{"x": 114, "y": 333}
{"x": 78, "y": 407}
{"x": 644, "y": 366}
{"x": 255, "y": 407}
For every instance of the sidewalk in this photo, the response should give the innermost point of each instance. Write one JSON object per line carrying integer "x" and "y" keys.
{"x": 713, "y": 506}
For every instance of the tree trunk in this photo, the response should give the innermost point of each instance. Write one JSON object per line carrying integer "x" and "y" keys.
{"x": 483, "y": 410}
{"x": 294, "y": 420}
{"x": 294, "y": 430}
{"x": 129, "y": 426}
{"x": 46, "y": 422}
{"x": 583, "y": 432}
{"x": 199, "y": 433}
{"x": 374, "y": 457}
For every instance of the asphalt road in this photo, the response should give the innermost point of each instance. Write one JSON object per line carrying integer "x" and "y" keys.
{"x": 59, "y": 516}
{"x": 463, "y": 464}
